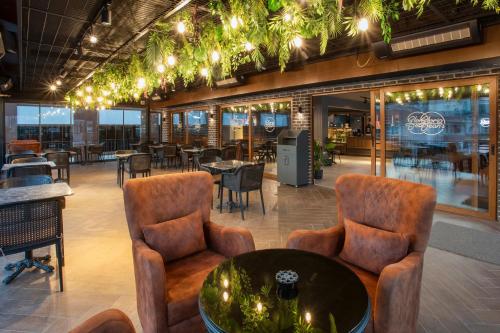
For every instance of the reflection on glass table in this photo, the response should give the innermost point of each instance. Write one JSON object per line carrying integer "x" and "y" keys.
{"x": 241, "y": 295}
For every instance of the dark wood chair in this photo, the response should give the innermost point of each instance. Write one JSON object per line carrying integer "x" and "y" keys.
{"x": 29, "y": 160}
{"x": 61, "y": 160}
{"x": 169, "y": 155}
{"x": 12, "y": 157}
{"x": 228, "y": 153}
{"x": 139, "y": 164}
{"x": 245, "y": 179}
{"x": 30, "y": 170}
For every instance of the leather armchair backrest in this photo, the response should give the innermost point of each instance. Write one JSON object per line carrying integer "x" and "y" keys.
{"x": 388, "y": 204}
{"x": 158, "y": 199}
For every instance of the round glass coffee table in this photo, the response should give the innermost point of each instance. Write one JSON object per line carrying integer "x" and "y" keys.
{"x": 241, "y": 295}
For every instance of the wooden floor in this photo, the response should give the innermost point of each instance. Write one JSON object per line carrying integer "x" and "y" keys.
{"x": 458, "y": 294}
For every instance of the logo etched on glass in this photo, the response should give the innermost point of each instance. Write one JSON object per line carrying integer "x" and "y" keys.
{"x": 428, "y": 123}
{"x": 485, "y": 122}
{"x": 269, "y": 124}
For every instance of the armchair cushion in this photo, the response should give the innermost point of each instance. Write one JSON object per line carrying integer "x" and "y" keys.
{"x": 177, "y": 238}
{"x": 183, "y": 284}
{"x": 372, "y": 249}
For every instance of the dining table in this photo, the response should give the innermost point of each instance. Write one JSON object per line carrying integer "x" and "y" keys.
{"x": 121, "y": 160}
{"x": 283, "y": 290}
{"x": 23, "y": 181}
{"x": 7, "y": 167}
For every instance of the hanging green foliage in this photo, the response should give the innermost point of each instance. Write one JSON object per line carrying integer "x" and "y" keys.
{"x": 238, "y": 32}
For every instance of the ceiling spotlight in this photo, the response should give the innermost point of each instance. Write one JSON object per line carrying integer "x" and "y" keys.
{"x": 248, "y": 46}
{"x": 93, "y": 39}
{"x": 53, "y": 87}
{"x": 204, "y": 72}
{"x": 297, "y": 42}
{"x": 141, "y": 83}
{"x": 171, "y": 60}
{"x": 58, "y": 82}
{"x": 363, "y": 24}
{"x": 160, "y": 68}
{"x": 215, "y": 56}
{"x": 181, "y": 27}
{"x": 106, "y": 13}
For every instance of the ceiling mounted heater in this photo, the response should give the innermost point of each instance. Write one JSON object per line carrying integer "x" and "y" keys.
{"x": 439, "y": 39}
{"x": 230, "y": 82}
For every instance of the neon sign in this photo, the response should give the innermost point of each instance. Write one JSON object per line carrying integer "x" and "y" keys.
{"x": 428, "y": 123}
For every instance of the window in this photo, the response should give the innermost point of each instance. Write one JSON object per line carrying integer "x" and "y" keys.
{"x": 56, "y": 127}
{"x": 197, "y": 122}
{"x": 28, "y": 122}
{"x": 234, "y": 125}
{"x": 118, "y": 129}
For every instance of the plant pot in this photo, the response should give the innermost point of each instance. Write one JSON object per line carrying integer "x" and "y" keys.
{"x": 318, "y": 174}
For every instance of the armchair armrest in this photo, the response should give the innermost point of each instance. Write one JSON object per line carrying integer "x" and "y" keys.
{"x": 229, "y": 241}
{"x": 111, "y": 320}
{"x": 327, "y": 242}
{"x": 150, "y": 285}
{"x": 397, "y": 297}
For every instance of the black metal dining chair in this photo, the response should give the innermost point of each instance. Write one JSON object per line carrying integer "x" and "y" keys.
{"x": 95, "y": 150}
{"x": 216, "y": 176}
{"x": 186, "y": 160}
{"x": 169, "y": 155}
{"x": 139, "y": 164}
{"x": 61, "y": 160}
{"x": 245, "y": 179}
{"x": 28, "y": 226}
{"x": 29, "y": 160}
{"x": 29, "y": 170}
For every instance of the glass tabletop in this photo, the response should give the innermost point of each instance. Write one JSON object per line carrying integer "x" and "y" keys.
{"x": 226, "y": 165}
{"x": 241, "y": 295}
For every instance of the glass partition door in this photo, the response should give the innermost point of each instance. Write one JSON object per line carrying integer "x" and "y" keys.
{"x": 197, "y": 125}
{"x": 443, "y": 135}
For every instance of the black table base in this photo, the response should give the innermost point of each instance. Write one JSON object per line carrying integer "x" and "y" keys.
{"x": 28, "y": 262}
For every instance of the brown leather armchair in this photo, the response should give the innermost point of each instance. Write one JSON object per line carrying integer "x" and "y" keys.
{"x": 391, "y": 205}
{"x": 167, "y": 292}
{"x": 109, "y": 321}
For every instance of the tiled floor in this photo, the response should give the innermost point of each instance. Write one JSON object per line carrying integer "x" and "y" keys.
{"x": 458, "y": 294}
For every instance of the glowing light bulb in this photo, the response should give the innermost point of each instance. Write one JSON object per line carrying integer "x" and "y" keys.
{"x": 486, "y": 90}
{"x": 171, "y": 60}
{"x": 287, "y": 17}
{"x": 234, "y": 22}
{"x": 113, "y": 85}
{"x": 297, "y": 42}
{"x": 106, "y": 93}
{"x": 225, "y": 283}
{"x": 248, "y": 46}
{"x": 204, "y": 72}
{"x": 88, "y": 99}
{"x": 479, "y": 87}
{"x": 160, "y": 68}
{"x": 141, "y": 83}
{"x": 52, "y": 87}
{"x": 225, "y": 296}
{"x": 136, "y": 95}
{"x": 308, "y": 317}
{"x": 215, "y": 56}
{"x": 88, "y": 89}
{"x": 93, "y": 39}
{"x": 79, "y": 93}
{"x": 363, "y": 24}
{"x": 181, "y": 27}
{"x": 99, "y": 99}
{"x": 109, "y": 102}
{"x": 259, "y": 307}
{"x": 58, "y": 82}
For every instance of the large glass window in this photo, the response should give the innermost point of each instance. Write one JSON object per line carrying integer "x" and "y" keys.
{"x": 56, "y": 127}
{"x": 197, "y": 122}
{"x": 119, "y": 128}
{"x": 441, "y": 137}
{"x": 268, "y": 120}
{"x": 234, "y": 125}
{"x": 28, "y": 122}
{"x": 178, "y": 128}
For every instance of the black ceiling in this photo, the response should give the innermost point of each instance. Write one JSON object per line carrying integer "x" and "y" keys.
{"x": 52, "y": 29}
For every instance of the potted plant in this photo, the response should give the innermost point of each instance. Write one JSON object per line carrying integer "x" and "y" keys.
{"x": 318, "y": 160}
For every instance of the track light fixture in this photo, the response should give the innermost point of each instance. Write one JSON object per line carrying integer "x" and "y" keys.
{"x": 106, "y": 13}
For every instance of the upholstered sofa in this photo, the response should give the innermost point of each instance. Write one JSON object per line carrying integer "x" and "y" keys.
{"x": 371, "y": 206}
{"x": 108, "y": 321}
{"x": 168, "y": 286}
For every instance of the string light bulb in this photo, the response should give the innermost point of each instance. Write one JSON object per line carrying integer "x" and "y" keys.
{"x": 225, "y": 296}
{"x": 287, "y": 17}
{"x": 58, "y": 82}
{"x": 308, "y": 317}
{"x": 297, "y": 42}
{"x": 215, "y": 56}
{"x": 141, "y": 83}
{"x": 181, "y": 27}
{"x": 248, "y": 46}
{"x": 171, "y": 60}
{"x": 204, "y": 72}
{"x": 234, "y": 22}
{"x": 93, "y": 39}
{"x": 79, "y": 93}
{"x": 88, "y": 89}
{"x": 53, "y": 87}
{"x": 363, "y": 24}
{"x": 160, "y": 68}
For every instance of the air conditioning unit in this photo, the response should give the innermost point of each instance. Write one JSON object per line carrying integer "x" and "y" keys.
{"x": 230, "y": 82}
{"x": 439, "y": 39}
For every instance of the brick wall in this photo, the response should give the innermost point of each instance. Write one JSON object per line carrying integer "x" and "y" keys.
{"x": 302, "y": 97}
{"x": 165, "y": 126}
{"x": 213, "y": 128}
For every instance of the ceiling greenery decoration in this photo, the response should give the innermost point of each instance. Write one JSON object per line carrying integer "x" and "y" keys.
{"x": 233, "y": 33}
